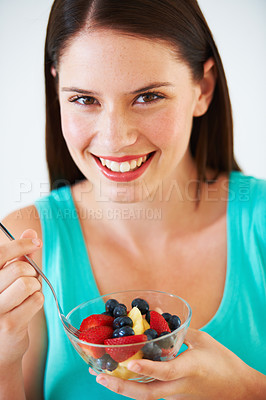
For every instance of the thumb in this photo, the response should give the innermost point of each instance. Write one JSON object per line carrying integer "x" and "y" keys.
{"x": 28, "y": 234}
{"x": 192, "y": 338}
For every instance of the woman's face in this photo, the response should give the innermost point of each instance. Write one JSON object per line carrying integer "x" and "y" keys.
{"x": 127, "y": 107}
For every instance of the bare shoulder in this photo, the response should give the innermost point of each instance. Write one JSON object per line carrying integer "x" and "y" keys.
{"x": 20, "y": 220}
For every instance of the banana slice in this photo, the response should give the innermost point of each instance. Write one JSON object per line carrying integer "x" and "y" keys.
{"x": 137, "y": 319}
{"x": 122, "y": 372}
{"x": 146, "y": 324}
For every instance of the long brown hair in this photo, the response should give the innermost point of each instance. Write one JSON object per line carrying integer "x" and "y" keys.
{"x": 177, "y": 22}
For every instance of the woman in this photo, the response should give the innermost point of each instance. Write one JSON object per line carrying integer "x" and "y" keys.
{"x": 138, "y": 118}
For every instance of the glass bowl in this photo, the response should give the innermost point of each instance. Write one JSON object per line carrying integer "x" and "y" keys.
{"x": 164, "y": 348}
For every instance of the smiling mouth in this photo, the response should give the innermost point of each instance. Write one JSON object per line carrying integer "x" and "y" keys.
{"x": 130, "y": 164}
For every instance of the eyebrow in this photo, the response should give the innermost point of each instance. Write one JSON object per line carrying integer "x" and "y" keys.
{"x": 143, "y": 89}
{"x": 77, "y": 90}
{"x": 152, "y": 86}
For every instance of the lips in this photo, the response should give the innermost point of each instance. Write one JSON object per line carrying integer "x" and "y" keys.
{"x": 124, "y": 169}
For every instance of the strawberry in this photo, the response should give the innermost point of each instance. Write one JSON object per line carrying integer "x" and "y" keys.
{"x": 169, "y": 353}
{"x": 96, "y": 320}
{"x": 96, "y": 335}
{"x": 158, "y": 323}
{"x": 123, "y": 353}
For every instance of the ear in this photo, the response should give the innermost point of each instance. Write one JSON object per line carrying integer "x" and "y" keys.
{"x": 207, "y": 86}
{"x": 53, "y": 71}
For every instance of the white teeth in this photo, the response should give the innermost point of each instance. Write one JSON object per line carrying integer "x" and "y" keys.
{"x": 139, "y": 161}
{"x": 108, "y": 163}
{"x": 114, "y": 166}
{"x": 133, "y": 164}
{"x": 124, "y": 167}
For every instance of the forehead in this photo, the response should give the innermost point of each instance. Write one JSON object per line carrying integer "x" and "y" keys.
{"x": 107, "y": 54}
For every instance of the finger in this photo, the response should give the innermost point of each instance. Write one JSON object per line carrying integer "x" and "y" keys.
{"x": 152, "y": 390}
{"x": 163, "y": 371}
{"x": 29, "y": 234}
{"x": 17, "y": 248}
{"x": 20, "y": 316}
{"x": 193, "y": 338}
{"x": 180, "y": 367}
{"x": 18, "y": 292}
{"x": 92, "y": 372}
{"x": 14, "y": 271}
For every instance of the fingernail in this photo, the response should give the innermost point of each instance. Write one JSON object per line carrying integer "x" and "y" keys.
{"x": 36, "y": 242}
{"x": 134, "y": 367}
{"x": 102, "y": 381}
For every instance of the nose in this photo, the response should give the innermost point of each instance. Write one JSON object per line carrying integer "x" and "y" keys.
{"x": 116, "y": 130}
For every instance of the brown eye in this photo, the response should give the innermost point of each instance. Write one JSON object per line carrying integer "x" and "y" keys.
{"x": 84, "y": 100}
{"x": 87, "y": 101}
{"x": 148, "y": 98}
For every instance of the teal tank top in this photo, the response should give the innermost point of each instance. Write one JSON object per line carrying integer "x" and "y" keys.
{"x": 239, "y": 323}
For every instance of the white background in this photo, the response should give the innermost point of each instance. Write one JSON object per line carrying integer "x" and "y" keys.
{"x": 239, "y": 30}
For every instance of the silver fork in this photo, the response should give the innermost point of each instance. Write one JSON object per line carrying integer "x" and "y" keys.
{"x": 68, "y": 327}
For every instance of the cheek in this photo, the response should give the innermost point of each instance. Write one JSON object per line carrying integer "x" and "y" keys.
{"x": 169, "y": 127}
{"x": 75, "y": 130}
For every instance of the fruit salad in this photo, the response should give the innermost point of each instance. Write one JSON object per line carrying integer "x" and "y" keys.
{"x": 137, "y": 328}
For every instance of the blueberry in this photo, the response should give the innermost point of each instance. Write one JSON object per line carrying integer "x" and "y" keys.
{"x": 111, "y": 364}
{"x": 120, "y": 311}
{"x": 107, "y": 313}
{"x": 116, "y": 333}
{"x": 166, "y": 316}
{"x": 122, "y": 321}
{"x": 116, "y": 323}
{"x": 101, "y": 362}
{"x": 151, "y": 334}
{"x": 125, "y": 331}
{"x": 142, "y": 305}
{"x": 151, "y": 351}
{"x": 148, "y": 317}
{"x": 163, "y": 333}
{"x": 167, "y": 342}
{"x": 110, "y": 305}
{"x": 174, "y": 322}
{"x": 126, "y": 321}
{"x": 106, "y": 362}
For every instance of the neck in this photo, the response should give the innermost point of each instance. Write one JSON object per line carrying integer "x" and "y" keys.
{"x": 172, "y": 207}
